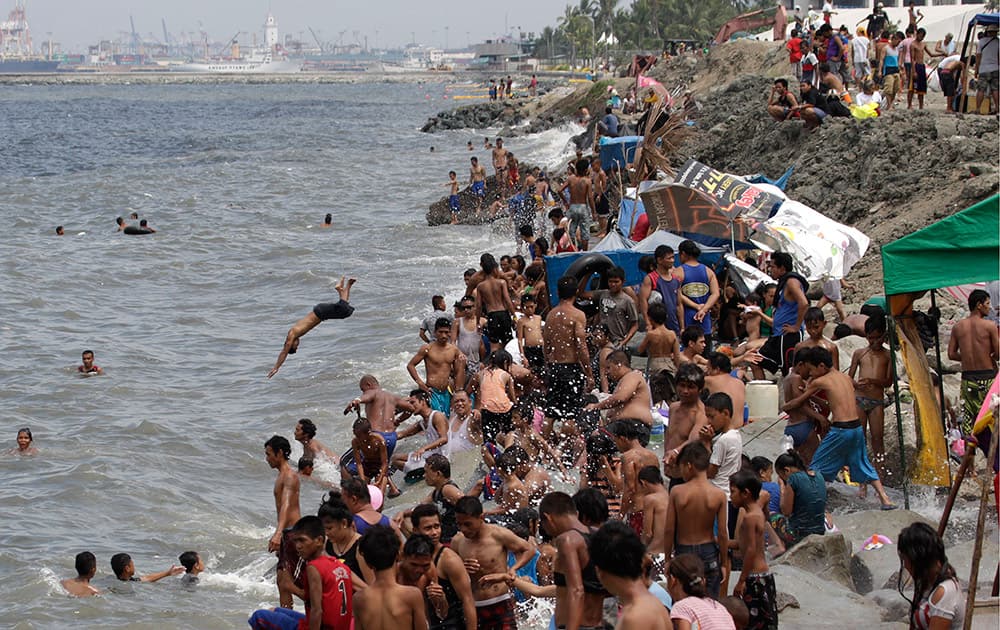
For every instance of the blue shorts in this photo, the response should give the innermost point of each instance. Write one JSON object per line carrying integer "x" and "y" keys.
{"x": 440, "y": 401}
{"x": 799, "y": 432}
{"x": 277, "y": 619}
{"x": 478, "y": 189}
{"x": 453, "y": 203}
{"x": 390, "y": 441}
{"x": 844, "y": 447}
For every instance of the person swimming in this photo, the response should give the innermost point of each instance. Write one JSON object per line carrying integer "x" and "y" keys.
{"x": 24, "y": 440}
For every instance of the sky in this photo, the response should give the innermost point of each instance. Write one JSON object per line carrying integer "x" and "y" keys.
{"x": 77, "y": 23}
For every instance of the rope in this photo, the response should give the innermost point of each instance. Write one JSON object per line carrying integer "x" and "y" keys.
{"x": 764, "y": 431}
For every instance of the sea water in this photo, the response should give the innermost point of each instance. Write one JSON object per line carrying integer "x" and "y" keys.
{"x": 164, "y": 453}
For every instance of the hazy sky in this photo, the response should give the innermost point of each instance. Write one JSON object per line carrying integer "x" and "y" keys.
{"x": 77, "y": 23}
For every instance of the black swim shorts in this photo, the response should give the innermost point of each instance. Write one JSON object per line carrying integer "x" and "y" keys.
{"x": 333, "y": 310}
{"x": 777, "y": 352}
{"x": 499, "y": 327}
{"x": 566, "y": 389}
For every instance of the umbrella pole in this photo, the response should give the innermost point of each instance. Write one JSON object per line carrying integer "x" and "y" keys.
{"x": 893, "y": 346}
{"x": 937, "y": 352}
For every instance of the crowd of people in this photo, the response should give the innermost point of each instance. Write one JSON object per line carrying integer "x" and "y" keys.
{"x": 882, "y": 65}
{"x": 530, "y": 389}
{"x": 534, "y": 385}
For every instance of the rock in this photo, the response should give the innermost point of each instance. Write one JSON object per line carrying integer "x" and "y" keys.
{"x": 784, "y": 600}
{"x": 871, "y": 569}
{"x": 826, "y": 557}
{"x": 894, "y": 607}
{"x": 826, "y": 605}
{"x": 979, "y": 187}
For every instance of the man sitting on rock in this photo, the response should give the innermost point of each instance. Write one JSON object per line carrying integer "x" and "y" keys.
{"x": 782, "y": 104}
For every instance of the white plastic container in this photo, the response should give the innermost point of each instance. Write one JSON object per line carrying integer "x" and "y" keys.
{"x": 762, "y": 397}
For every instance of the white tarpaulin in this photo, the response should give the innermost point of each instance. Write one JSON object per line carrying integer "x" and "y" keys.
{"x": 612, "y": 242}
{"x": 821, "y": 247}
{"x": 746, "y": 275}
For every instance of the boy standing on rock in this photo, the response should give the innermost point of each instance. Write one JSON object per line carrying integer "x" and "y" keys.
{"x": 477, "y": 182}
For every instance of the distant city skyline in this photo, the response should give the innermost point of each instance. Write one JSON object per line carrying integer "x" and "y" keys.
{"x": 385, "y": 23}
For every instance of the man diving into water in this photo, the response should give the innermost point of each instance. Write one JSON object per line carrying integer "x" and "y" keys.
{"x": 320, "y": 313}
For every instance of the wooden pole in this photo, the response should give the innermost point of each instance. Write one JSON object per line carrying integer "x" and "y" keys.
{"x": 967, "y": 460}
{"x": 986, "y": 481}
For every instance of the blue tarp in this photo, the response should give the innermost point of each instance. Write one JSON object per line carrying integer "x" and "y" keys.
{"x": 985, "y": 18}
{"x": 556, "y": 266}
{"x": 618, "y": 152}
{"x": 627, "y": 212}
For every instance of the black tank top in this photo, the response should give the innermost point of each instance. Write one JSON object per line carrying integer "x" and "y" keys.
{"x": 449, "y": 522}
{"x": 591, "y": 583}
{"x": 349, "y": 557}
{"x": 455, "y": 620}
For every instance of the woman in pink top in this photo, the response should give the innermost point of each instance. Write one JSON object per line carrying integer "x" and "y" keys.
{"x": 692, "y": 608}
{"x": 496, "y": 396}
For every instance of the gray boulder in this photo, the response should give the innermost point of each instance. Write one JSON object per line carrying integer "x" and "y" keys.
{"x": 825, "y": 605}
{"x": 826, "y": 557}
{"x": 875, "y": 569}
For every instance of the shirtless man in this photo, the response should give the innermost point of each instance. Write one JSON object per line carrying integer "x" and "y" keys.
{"x": 687, "y": 417}
{"x": 974, "y": 343}
{"x": 631, "y": 400}
{"x": 493, "y": 302}
{"x": 579, "y": 593}
{"x": 380, "y": 409}
{"x": 918, "y": 72}
{"x": 483, "y": 549}
{"x": 693, "y": 341}
{"x": 618, "y": 556}
{"x": 305, "y": 434}
{"x": 581, "y": 213}
{"x": 718, "y": 378}
{"x": 634, "y": 458}
{"x": 385, "y": 604}
{"x": 88, "y": 368}
{"x": 477, "y": 182}
{"x": 567, "y": 359}
{"x": 444, "y": 365}
{"x": 844, "y": 444}
{"x": 286, "y": 503}
{"x": 320, "y": 313}
{"x": 86, "y": 568}
{"x": 500, "y": 165}
{"x": 696, "y": 508}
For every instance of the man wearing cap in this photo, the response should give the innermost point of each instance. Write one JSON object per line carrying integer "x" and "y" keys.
{"x": 988, "y": 68}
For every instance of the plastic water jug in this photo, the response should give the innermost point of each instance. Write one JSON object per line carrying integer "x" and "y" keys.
{"x": 661, "y": 415}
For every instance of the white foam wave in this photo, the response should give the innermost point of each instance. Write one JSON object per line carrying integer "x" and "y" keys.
{"x": 248, "y": 580}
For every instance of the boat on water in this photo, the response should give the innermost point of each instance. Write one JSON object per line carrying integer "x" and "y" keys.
{"x": 270, "y": 59}
{"x": 263, "y": 64}
{"x": 16, "y": 53}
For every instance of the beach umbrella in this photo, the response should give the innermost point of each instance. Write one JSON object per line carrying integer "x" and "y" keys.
{"x": 820, "y": 247}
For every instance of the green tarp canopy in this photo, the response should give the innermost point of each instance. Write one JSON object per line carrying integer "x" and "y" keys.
{"x": 962, "y": 249}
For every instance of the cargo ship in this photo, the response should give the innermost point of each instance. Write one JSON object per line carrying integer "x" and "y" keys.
{"x": 267, "y": 60}
{"x": 16, "y": 54}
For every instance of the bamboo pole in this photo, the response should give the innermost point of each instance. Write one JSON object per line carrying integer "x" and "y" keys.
{"x": 967, "y": 460}
{"x": 985, "y": 482}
